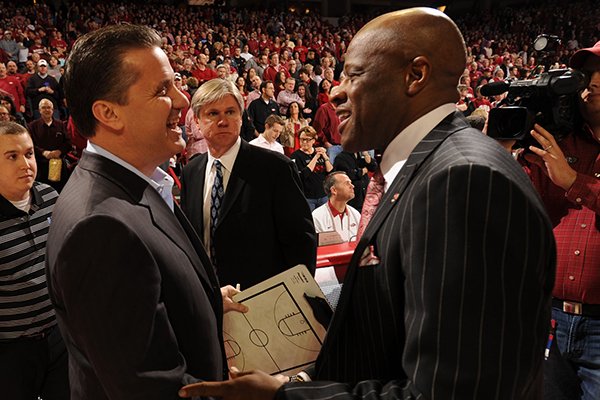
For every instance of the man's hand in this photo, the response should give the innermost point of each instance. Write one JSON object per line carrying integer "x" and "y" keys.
{"x": 551, "y": 159}
{"x": 253, "y": 385}
{"x": 227, "y": 292}
{"x": 50, "y": 154}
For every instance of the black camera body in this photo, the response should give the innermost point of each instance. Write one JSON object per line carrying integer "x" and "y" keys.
{"x": 551, "y": 100}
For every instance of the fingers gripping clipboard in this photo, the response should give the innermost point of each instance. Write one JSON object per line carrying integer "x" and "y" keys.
{"x": 281, "y": 332}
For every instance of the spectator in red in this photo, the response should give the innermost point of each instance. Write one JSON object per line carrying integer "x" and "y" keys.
{"x": 324, "y": 90}
{"x": 202, "y": 72}
{"x": 12, "y": 86}
{"x": 480, "y": 101}
{"x": 273, "y": 68}
{"x": 78, "y": 141}
{"x": 326, "y": 124}
{"x": 301, "y": 49}
{"x": 328, "y": 74}
{"x": 312, "y": 86}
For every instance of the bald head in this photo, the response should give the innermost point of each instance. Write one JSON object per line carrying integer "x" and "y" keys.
{"x": 419, "y": 32}
{"x": 398, "y": 67}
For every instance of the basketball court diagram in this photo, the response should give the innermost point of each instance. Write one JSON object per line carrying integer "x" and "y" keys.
{"x": 279, "y": 333}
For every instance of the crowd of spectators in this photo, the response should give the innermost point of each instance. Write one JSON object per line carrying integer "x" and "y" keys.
{"x": 256, "y": 47}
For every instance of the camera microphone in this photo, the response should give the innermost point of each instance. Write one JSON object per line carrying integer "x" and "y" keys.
{"x": 495, "y": 88}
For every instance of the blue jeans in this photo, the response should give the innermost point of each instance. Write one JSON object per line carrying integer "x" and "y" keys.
{"x": 575, "y": 375}
{"x": 314, "y": 203}
{"x": 333, "y": 151}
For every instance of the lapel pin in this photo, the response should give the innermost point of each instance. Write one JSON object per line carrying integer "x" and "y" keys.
{"x": 395, "y": 197}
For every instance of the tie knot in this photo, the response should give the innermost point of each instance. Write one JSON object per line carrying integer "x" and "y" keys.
{"x": 217, "y": 164}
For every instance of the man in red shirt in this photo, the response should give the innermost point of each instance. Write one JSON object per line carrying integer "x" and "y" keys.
{"x": 273, "y": 68}
{"x": 326, "y": 124}
{"x": 302, "y": 50}
{"x": 567, "y": 175}
{"x": 203, "y": 73}
{"x": 12, "y": 85}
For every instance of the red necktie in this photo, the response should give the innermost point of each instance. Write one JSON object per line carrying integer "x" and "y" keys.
{"x": 372, "y": 199}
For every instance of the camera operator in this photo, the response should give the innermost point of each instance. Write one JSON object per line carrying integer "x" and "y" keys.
{"x": 567, "y": 176}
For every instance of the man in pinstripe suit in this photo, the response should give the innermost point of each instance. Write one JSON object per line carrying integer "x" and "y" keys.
{"x": 454, "y": 303}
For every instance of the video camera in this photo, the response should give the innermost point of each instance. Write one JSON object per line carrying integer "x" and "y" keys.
{"x": 549, "y": 100}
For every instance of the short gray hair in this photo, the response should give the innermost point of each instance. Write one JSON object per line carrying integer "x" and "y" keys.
{"x": 215, "y": 90}
{"x": 12, "y": 128}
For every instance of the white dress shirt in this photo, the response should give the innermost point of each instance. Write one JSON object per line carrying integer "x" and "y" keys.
{"x": 227, "y": 160}
{"x": 399, "y": 149}
{"x": 159, "y": 180}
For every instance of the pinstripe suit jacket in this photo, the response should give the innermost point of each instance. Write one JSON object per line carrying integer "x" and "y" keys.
{"x": 458, "y": 306}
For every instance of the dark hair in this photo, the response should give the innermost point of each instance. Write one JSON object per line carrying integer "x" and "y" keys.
{"x": 321, "y": 89}
{"x": 289, "y": 115}
{"x": 8, "y": 97}
{"x": 307, "y": 93}
{"x": 330, "y": 181}
{"x": 264, "y": 85}
{"x": 96, "y": 70}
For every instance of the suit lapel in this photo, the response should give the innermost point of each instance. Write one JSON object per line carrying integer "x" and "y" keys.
{"x": 143, "y": 194}
{"x": 236, "y": 182}
{"x": 165, "y": 220}
{"x": 199, "y": 190}
{"x": 393, "y": 196}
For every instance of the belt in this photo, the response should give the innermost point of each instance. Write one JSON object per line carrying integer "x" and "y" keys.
{"x": 573, "y": 307}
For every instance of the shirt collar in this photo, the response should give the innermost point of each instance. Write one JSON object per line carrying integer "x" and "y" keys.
{"x": 159, "y": 180}
{"x": 405, "y": 142}
{"x": 334, "y": 211}
{"x": 228, "y": 158}
{"x": 8, "y": 210}
{"x": 399, "y": 149}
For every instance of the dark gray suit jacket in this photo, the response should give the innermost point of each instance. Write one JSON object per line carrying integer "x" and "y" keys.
{"x": 458, "y": 306}
{"x": 135, "y": 295}
{"x": 264, "y": 225}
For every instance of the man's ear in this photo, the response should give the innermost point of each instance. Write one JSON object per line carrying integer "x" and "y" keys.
{"x": 107, "y": 114}
{"x": 417, "y": 76}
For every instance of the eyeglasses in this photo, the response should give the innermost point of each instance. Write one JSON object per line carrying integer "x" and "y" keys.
{"x": 306, "y": 139}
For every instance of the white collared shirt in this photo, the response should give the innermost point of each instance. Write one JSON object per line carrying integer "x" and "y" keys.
{"x": 404, "y": 143}
{"x": 227, "y": 160}
{"x": 260, "y": 141}
{"x": 159, "y": 180}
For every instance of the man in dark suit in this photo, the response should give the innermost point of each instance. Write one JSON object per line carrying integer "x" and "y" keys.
{"x": 263, "y": 224}
{"x": 447, "y": 295}
{"x": 135, "y": 294}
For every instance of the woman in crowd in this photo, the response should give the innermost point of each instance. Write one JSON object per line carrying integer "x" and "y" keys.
{"x": 251, "y": 74}
{"x": 314, "y": 165}
{"x": 324, "y": 89}
{"x": 7, "y": 102}
{"x": 310, "y": 104}
{"x": 289, "y": 137}
{"x": 240, "y": 83}
{"x": 279, "y": 82}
